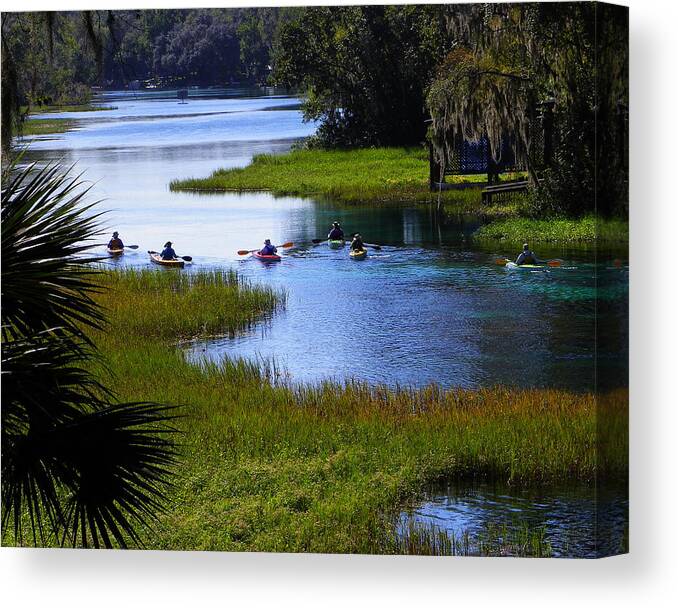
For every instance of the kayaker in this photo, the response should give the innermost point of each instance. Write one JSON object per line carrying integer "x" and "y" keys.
{"x": 268, "y": 249}
{"x": 168, "y": 253}
{"x": 336, "y": 234}
{"x": 115, "y": 243}
{"x": 357, "y": 243}
{"x": 527, "y": 257}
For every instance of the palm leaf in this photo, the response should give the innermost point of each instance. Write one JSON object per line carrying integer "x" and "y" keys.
{"x": 75, "y": 464}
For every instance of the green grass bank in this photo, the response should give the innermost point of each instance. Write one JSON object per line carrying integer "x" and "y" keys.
{"x": 588, "y": 229}
{"x": 372, "y": 175}
{"x": 269, "y": 466}
{"x": 48, "y": 126}
{"x": 71, "y": 107}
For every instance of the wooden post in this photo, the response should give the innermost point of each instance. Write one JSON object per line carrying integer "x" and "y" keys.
{"x": 434, "y": 169}
{"x": 547, "y": 127}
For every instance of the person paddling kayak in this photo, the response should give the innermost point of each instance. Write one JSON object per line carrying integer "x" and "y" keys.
{"x": 115, "y": 243}
{"x": 527, "y": 256}
{"x": 336, "y": 234}
{"x": 268, "y": 249}
{"x": 168, "y": 253}
{"x": 357, "y": 243}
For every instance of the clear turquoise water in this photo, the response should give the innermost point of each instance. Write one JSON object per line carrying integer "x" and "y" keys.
{"x": 431, "y": 306}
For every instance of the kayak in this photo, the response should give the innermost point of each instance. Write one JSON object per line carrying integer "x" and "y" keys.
{"x": 156, "y": 259}
{"x": 358, "y": 254}
{"x": 115, "y": 251}
{"x": 266, "y": 258}
{"x": 335, "y": 244}
{"x": 532, "y": 266}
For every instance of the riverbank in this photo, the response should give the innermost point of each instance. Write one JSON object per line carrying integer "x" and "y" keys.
{"x": 397, "y": 175}
{"x": 587, "y": 229}
{"x": 49, "y": 126}
{"x": 46, "y": 126}
{"x": 372, "y": 175}
{"x": 266, "y": 466}
{"x": 71, "y": 107}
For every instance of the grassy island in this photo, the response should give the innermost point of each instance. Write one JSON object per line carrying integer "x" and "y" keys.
{"x": 397, "y": 175}
{"x": 368, "y": 175}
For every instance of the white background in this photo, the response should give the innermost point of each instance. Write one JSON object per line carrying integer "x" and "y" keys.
{"x": 645, "y": 577}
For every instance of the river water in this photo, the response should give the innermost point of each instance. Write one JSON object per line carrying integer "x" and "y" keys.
{"x": 431, "y": 306}
{"x": 577, "y": 521}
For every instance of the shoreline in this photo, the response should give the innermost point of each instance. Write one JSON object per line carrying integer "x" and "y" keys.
{"x": 398, "y": 176}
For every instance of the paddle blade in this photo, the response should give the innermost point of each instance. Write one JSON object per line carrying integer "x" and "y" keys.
{"x": 286, "y": 245}
{"x": 554, "y": 263}
{"x": 188, "y": 258}
{"x": 151, "y": 252}
{"x": 501, "y": 261}
{"x": 243, "y": 251}
{"x": 131, "y": 246}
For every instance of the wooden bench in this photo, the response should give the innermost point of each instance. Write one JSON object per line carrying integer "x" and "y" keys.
{"x": 503, "y": 191}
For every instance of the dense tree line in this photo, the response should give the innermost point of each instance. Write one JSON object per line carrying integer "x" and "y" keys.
{"x": 365, "y": 69}
{"x": 56, "y": 57}
{"x": 372, "y": 75}
{"x": 375, "y": 74}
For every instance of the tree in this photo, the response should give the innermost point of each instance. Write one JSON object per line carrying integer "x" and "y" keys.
{"x": 511, "y": 58}
{"x": 364, "y": 69}
{"x": 76, "y": 464}
{"x": 203, "y": 48}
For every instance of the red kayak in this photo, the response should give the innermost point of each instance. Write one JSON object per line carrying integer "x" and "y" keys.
{"x": 266, "y": 258}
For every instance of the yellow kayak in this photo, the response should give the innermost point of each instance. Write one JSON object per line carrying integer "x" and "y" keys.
{"x": 156, "y": 259}
{"x": 358, "y": 254}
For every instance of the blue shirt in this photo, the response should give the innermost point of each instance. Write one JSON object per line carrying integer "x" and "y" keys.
{"x": 268, "y": 250}
{"x": 168, "y": 254}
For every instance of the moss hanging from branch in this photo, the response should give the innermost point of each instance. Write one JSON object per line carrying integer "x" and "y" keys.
{"x": 483, "y": 87}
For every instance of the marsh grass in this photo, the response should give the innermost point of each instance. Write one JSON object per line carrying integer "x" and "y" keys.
{"x": 81, "y": 107}
{"x": 371, "y": 175}
{"x": 46, "y": 126}
{"x": 269, "y": 465}
{"x": 517, "y": 230}
{"x": 49, "y": 126}
{"x": 493, "y": 541}
{"x": 173, "y": 306}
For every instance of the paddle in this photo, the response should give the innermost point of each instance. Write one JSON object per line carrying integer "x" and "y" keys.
{"x": 126, "y": 246}
{"x": 246, "y": 251}
{"x": 187, "y": 258}
{"x": 318, "y": 241}
{"x": 552, "y": 263}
